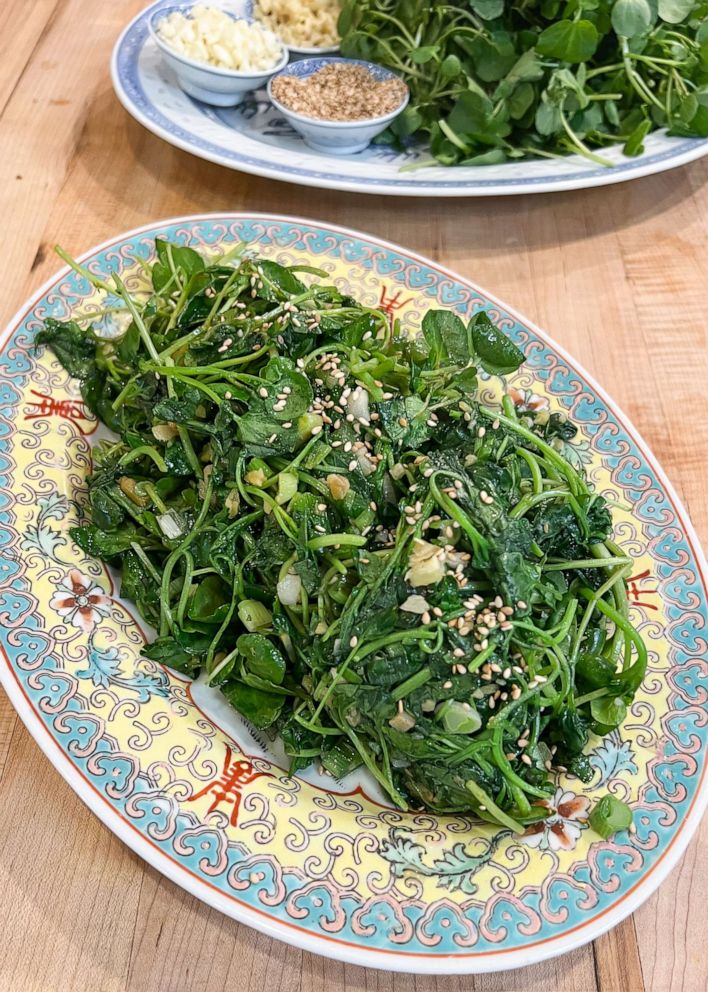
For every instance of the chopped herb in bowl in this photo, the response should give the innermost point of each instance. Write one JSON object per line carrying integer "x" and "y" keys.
{"x": 319, "y": 512}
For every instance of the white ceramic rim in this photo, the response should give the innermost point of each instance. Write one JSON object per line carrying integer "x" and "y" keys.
{"x": 385, "y": 960}
{"x": 314, "y": 50}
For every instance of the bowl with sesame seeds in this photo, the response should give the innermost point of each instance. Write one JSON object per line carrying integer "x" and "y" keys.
{"x": 338, "y": 105}
{"x": 338, "y": 612}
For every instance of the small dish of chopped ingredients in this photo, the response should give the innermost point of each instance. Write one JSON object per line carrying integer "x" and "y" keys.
{"x": 338, "y": 105}
{"x": 216, "y": 56}
{"x": 307, "y": 27}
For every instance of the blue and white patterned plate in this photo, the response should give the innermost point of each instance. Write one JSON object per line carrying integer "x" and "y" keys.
{"x": 178, "y": 775}
{"x": 254, "y": 137}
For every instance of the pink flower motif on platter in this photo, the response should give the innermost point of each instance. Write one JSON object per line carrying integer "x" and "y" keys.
{"x": 562, "y": 829}
{"x": 527, "y": 402}
{"x": 80, "y": 601}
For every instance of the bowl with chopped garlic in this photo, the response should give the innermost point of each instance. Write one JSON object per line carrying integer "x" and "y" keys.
{"x": 216, "y": 56}
{"x": 307, "y": 27}
{"x": 338, "y": 105}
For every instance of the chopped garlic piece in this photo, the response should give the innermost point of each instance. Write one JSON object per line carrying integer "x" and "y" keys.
{"x": 426, "y": 564}
{"x": 415, "y": 604}
{"x": 211, "y": 36}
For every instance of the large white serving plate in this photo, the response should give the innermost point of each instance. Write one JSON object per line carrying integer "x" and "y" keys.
{"x": 253, "y": 137}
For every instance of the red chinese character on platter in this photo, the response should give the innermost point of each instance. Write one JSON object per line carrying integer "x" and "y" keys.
{"x": 636, "y": 593}
{"x": 391, "y": 303}
{"x": 48, "y": 406}
{"x": 226, "y": 787}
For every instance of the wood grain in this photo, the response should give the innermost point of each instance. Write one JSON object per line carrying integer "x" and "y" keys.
{"x": 617, "y": 275}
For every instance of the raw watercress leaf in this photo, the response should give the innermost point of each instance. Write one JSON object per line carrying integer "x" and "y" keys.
{"x": 631, "y": 17}
{"x": 675, "y": 11}
{"x": 569, "y": 41}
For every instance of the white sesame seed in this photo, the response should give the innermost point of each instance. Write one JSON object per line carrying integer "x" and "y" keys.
{"x": 263, "y": 392}
{"x": 353, "y": 642}
{"x": 526, "y": 760}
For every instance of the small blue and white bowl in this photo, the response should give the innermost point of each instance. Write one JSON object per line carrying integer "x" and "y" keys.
{"x": 218, "y": 87}
{"x": 336, "y": 137}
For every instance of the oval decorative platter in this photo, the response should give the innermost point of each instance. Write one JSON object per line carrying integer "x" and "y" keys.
{"x": 189, "y": 786}
{"x": 253, "y": 137}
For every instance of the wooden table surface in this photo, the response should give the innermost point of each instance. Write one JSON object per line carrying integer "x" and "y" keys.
{"x": 617, "y": 275}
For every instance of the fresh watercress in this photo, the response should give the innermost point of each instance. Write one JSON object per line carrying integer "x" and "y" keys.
{"x": 498, "y": 81}
{"x": 319, "y": 512}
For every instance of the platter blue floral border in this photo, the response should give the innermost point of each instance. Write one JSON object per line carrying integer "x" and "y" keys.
{"x": 563, "y": 905}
